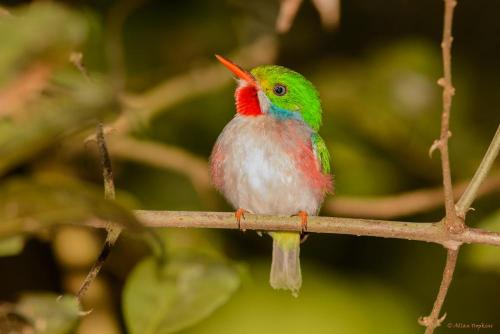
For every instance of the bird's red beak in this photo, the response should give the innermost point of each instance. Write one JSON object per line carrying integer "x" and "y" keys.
{"x": 238, "y": 71}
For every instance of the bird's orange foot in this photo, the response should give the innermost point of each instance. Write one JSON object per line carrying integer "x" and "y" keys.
{"x": 303, "y": 220}
{"x": 240, "y": 213}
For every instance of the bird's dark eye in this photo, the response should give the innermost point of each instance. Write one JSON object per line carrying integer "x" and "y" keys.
{"x": 279, "y": 89}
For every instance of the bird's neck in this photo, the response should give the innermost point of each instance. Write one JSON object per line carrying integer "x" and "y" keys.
{"x": 247, "y": 101}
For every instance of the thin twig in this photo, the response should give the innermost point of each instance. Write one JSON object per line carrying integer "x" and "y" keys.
{"x": 453, "y": 224}
{"x": 433, "y": 320}
{"x": 107, "y": 172}
{"x": 429, "y": 232}
{"x": 451, "y": 221}
{"x": 113, "y": 231}
{"x": 76, "y": 58}
{"x": 471, "y": 192}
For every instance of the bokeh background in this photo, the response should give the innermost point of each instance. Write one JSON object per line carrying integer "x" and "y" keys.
{"x": 146, "y": 69}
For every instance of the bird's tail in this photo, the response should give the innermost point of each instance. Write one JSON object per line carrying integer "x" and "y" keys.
{"x": 285, "y": 268}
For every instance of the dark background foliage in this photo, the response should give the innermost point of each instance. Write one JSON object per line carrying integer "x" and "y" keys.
{"x": 376, "y": 73}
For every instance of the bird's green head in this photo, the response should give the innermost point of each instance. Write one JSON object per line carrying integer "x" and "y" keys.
{"x": 276, "y": 91}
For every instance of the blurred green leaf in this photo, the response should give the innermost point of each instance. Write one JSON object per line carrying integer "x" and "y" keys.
{"x": 38, "y": 110}
{"x": 42, "y": 31}
{"x": 29, "y": 204}
{"x": 11, "y": 245}
{"x": 482, "y": 256}
{"x": 165, "y": 300}
{"x": 76, "y": 105}
{"x": 49, "y": 314}
{"x": 327, "y": 303}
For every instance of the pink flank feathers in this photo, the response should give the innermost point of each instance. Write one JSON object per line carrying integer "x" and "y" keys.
{"x": 216, "y": 170}
{"x": 307, "y": 162}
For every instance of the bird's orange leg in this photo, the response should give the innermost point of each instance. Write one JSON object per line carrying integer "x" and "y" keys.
{"x": 303, "y": 220}
{"x": 240, "y": 213}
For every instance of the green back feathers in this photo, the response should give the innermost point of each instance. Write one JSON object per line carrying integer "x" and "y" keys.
{"x": 300, "y": 95}
{"x": 321, "y": 152}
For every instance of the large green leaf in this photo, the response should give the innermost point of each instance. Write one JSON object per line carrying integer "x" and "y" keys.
{"x": 29, "y": 204}
{"x": 482, "y": 256}
{"x": 160, "y": 300}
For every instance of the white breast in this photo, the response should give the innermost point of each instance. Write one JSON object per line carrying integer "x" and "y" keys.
{"x": 257, "y": 171}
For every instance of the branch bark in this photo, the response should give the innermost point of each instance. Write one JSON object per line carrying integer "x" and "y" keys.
{"x": 433, "y": 320}
{"x": 429, "y": 232}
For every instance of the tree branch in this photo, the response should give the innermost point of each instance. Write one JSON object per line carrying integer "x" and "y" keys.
{"x": 472, "y": 190}
{"x": 113, "y": 231}
{"x": 429, "y": 232}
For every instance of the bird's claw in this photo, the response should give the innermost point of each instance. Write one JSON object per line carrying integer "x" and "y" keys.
{"x": 240, "y": 213}
{"x": 303, "y": 237}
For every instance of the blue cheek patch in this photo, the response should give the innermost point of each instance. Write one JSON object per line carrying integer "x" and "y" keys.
{"x": 283, "y": 114}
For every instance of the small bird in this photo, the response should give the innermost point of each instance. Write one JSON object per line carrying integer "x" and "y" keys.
{"x": 270, "y": 159}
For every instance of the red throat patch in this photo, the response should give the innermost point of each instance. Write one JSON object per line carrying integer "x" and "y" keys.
{"x": 247, "y": 101}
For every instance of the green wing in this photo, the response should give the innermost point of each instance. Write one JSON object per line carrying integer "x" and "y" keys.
{"x": 321, "y": 152}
